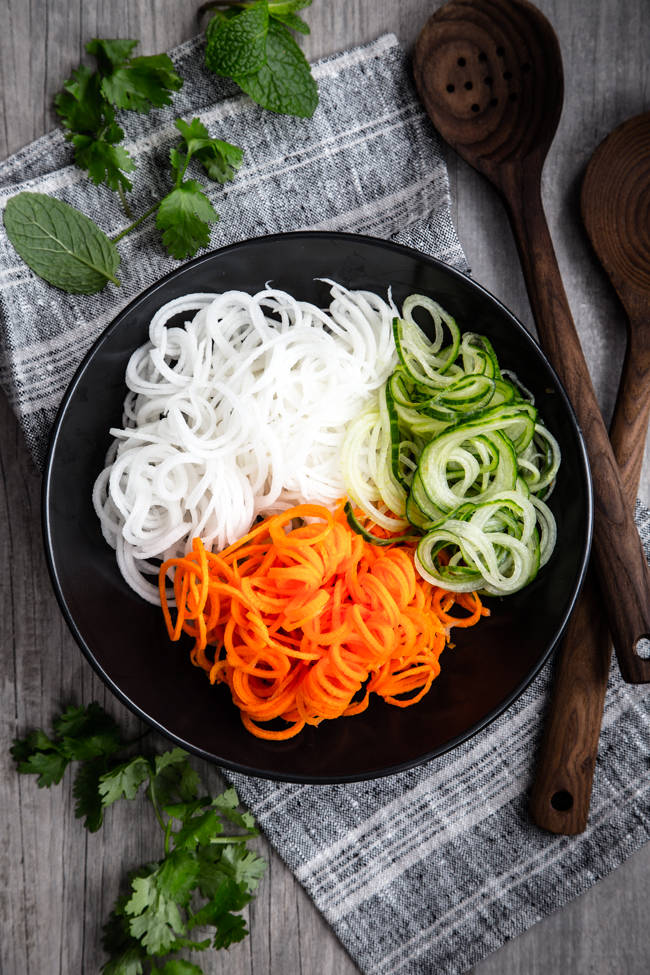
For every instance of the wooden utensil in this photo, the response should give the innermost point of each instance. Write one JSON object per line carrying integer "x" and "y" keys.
{"x": 616, "y": 212}
{"x": 490, "y": 75}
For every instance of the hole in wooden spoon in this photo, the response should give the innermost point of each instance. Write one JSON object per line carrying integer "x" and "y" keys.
{"x": 468, "y": 85}
{"x": 461, "y": 62}
{"x": 643, "y": 648}
{"x": 450, "y": 88}
{"x": 562, "y": 800}
{"x": 476, "y": 108}
{"x": 501, "y": 51}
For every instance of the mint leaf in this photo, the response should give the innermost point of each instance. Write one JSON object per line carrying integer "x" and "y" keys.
{"x": 285, "y": 83}
{"x": 125, "y": 780}
{"x": 238, "y": 46}
{"x": 184, "y": 215}
{"x": 60, "y": 244}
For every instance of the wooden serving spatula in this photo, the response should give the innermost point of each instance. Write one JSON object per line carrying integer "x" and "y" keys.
{"x": 616, "y": 212}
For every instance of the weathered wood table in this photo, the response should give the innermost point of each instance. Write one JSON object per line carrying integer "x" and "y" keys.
{"x": 57, "y": 882}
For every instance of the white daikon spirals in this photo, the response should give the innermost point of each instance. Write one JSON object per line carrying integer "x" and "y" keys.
{"x": 240, "y": 412}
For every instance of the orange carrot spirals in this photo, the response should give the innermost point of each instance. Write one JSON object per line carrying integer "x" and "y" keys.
{"x": 308, "y": 621}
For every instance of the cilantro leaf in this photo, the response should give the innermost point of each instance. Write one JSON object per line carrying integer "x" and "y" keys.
{"x": 227, "y": 803}
{"x": 127, "y": 954}
{"x": 82, "y": 105}
{"x": 156, "y": 917}
{"x": 178, "y": 966}
{"x": 133, "y": 83}
{"x": 144, "y": 82}
{"x": 183, "y": 810}
{"x": 124, "y": 780}
{"x": 220, "y": 159}
{"x": 110, "y": 54}
{"x": 49, "y": 766}
{"x": 285, "y": 83}
{"x": 177, "y": 875}
{"x": 60, "y": 244}
{"x": 198, "y": 829}
{"x": 184, "y": 215}
{"x": 245, "y": 866}
{"x": 229, "y": 896}
{"x": 103, "y": 161}
{"x": 231, "y": 928}
{"x": 88, "y": 734}
{"x": 86, "y": 792}
{"x": 238, "y": 46}
{"x": 36, "y": 741}
{"x": 174, "y": 776}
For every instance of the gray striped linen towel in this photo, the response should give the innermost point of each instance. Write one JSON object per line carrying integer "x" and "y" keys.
{"x": 432, "y": 869}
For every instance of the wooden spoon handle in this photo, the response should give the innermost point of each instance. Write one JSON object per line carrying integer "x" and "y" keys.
{"x": 561, "y": 792}
{"x": 618, "y": 555}
{"x": 629, "y": 427}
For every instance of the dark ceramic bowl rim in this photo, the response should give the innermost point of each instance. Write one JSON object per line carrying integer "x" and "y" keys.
{"x": 189, "y": 746}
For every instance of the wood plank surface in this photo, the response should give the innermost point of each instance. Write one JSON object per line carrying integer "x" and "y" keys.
{"x": 58, "y": 883}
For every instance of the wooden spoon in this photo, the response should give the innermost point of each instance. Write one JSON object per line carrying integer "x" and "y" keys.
{"x": 616, "y": 212}
{"x": 490, "y": 75}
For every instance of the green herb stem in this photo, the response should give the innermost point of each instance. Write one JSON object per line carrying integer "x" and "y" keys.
{"x": 152, "y": 796}
{"x": 132, "y": 226}
{"x": 125, "y": 206}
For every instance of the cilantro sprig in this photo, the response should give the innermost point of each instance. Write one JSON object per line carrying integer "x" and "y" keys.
{"x": 251, "y": 43}
{"x": 88, "y": 102}
{"x": 247, "y": 40}
{"x": 205, "y": 876}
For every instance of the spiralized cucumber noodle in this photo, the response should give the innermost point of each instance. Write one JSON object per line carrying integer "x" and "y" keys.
{"x": 239, "y": 412}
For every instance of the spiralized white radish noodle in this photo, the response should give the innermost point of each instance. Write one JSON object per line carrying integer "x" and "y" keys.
{"x": 241, "y": 412}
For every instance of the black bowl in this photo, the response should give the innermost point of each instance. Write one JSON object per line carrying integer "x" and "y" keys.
{"x": 125, "y": 639}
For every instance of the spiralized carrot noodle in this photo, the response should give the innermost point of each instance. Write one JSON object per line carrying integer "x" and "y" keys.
{"x": 308, "y": 621}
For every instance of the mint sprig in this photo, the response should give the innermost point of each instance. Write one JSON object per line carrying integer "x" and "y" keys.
{"x": 206, "y": 875}
{"x": 252, "y": 44}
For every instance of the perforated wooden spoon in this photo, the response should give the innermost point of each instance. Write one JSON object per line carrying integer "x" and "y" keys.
{"x": 490, "y": 75}
{"x": 616, "y": 212}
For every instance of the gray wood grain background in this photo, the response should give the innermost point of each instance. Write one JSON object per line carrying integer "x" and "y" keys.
{"x": 57, "y": 883}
